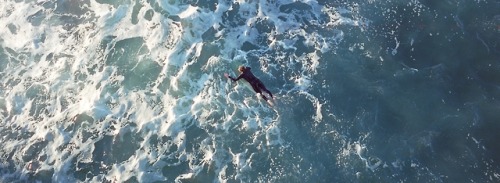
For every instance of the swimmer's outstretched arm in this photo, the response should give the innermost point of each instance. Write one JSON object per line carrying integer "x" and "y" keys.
{"x": 234, "y": 79}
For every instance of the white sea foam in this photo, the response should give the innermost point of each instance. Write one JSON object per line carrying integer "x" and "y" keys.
{"x": 73, "y": 81}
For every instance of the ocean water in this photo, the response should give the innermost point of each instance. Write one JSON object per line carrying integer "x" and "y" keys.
{"x": 133, "y": 91}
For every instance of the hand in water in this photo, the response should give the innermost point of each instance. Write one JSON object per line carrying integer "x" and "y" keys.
{"x": 226, "y": 75}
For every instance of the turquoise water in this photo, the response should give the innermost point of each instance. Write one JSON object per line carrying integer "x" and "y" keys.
{"x": 133, "y": 91}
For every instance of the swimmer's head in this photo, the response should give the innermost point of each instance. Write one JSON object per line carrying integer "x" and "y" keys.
{"x": 241, "y": 68}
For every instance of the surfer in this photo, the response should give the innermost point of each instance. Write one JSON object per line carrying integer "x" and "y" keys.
{"x": 257, "y": 85}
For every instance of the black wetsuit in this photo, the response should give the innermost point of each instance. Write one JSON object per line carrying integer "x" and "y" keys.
{"x": 257, "y": 85}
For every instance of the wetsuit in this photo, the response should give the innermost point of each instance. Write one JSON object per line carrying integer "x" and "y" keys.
{"x": 257, "y": 85}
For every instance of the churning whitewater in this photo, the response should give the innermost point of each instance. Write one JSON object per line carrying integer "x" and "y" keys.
{"x": 134, "y": 91}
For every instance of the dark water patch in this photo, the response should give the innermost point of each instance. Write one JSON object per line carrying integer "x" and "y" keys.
{"x": 33, "y": 150}
{"x": 300, "y": 13}
{"x": 132, "y": 179}
{"x": 488, "y": 73}
{"x": 452, "y": 157}
{"x": 75, "y": 7}
{"x": 232, "y": 18}
{"x": 194, "y": 137}
{"x": 352, "y": 85}
{"x": 143, "y": 74}
{"x": 429, "y": 35}
{"x": 412, "y": 102}
{"x": 124, "y": 53}
{"x": 209, "y": 35}
{"x": 125, "y": 145}
{"x": 443, "y": 6}
{"x": 171, "y": 172}
{"x": 107, "y": 151}
{"x": 289, "y": 8}
{"x": 292, "y": 165}
{"x": 310, "y": 153}
{"x": 130, "y": 58}
{"x": 207, "y": 4}
{"x": 36, "y": 18}
{"x": 208, "y": 50}
{"x": 196, "y": 140}
{"x": 38, "y": 96}
{"x": 114, "y": 3}
{"x": 247, "y": 46}
{"x": 302, "y": 48}
{"x": 407, "y": 106}
{"x": 157, "y": 8}
{"x": 486, "y": 131}
{"x": 135, "y": 11}
{"x": 78, "y": 121}
{"x": 102, "y": 150}
{"x": 44, "y": 175}
{"x": 264, "y": 26}
{"x": 297, "y": 126}
{"x": 149, "y": 15}
{"x": 4, "y": 64}
{"x": 3, "y": 107}
{"x": 8, "y": 166}
{"x": 12, "y": 28}
{"x": 69, "y": 14}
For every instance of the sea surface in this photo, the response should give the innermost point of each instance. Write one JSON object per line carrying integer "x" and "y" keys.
{"x": 134, "y": 91}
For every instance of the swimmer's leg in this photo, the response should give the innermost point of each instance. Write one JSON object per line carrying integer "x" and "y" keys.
{"x": 267, "y": 91}
{"x": 263, "y": 96}
{"x": 256, "y": 88}
{"x": 261, "y": 86}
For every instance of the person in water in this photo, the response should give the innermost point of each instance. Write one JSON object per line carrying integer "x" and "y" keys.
{"x": 257, "y": 85}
